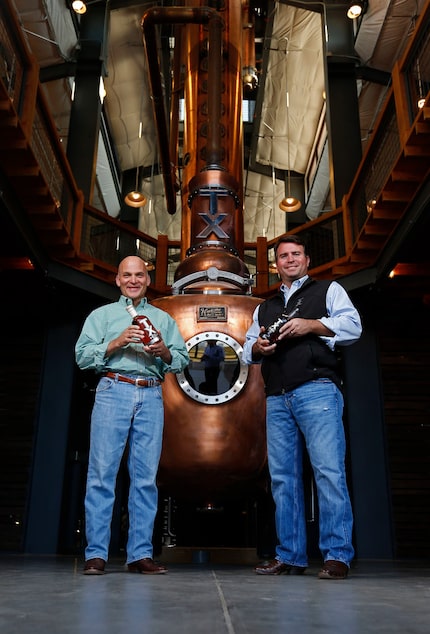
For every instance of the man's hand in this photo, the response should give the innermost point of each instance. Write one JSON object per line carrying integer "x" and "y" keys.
{"x": 159, "y": 349}
{"x": 296, "y": 327}
{"x": 132, "y": 334}
{"x": 262, "y": 347}
{"x": 299, "y": 327}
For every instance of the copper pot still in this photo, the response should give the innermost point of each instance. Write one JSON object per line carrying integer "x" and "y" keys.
{"x": 214, "y": 444}
{"x": 214, "y": 437}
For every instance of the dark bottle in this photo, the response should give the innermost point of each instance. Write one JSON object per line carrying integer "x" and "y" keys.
{"x": 150, "y": 334}
{"x": 272, "y": 332}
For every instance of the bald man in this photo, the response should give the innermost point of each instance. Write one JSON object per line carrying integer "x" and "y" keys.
{"x": 128, "y": 411}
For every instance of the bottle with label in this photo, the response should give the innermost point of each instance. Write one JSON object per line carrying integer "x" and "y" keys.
{"x": 272, "y": 332}
{"x": 151, "y": 335}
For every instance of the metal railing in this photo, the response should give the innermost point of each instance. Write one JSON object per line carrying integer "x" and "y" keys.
{"x": 376, "y": 166}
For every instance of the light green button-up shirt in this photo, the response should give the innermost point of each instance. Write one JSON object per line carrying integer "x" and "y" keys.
{"x": 107, "y": 322}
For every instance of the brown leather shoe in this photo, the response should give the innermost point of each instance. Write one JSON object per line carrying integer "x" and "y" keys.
{"x": 94, "y": 566}
{"x": 147, "y": 567}
{"x": 275, "y": 567}
{"x": 333, "y": 570}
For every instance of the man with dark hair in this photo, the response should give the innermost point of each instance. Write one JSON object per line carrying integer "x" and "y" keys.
{"x": 305, "y": 405}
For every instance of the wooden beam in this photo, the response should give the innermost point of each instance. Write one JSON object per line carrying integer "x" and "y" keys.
{"x": 415, "y": 269}
{"x": 16, "y": 263}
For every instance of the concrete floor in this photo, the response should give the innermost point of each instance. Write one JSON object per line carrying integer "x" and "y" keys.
{"x": 43, "y": 595}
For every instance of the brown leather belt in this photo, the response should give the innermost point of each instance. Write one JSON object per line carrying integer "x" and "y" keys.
{"x": 137, "y": 382}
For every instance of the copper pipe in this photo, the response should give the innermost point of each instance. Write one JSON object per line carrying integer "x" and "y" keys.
{"x": 213, "y": 147}
{"x": 176, "y": 87}
{"x": 171, "y": 15}
{"x": 248, "y": 47}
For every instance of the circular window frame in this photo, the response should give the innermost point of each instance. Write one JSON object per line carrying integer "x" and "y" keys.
{"x": 236, "y": 388}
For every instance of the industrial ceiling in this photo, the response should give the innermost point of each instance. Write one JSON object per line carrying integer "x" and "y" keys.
{"x": 289, "y": 48}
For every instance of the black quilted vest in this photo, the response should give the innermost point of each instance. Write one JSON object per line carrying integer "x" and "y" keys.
{"x": 300, "y": 359}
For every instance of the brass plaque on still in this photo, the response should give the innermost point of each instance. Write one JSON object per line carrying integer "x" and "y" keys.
{"x": 211, "y": 313}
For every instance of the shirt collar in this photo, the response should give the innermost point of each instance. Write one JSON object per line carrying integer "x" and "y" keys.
{"x": 294, "y": 286}
{"x": 125, "y": 300}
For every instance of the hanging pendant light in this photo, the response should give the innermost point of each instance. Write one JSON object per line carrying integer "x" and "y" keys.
{"x": 289, "y": 203}
{"x": 135, "y": 198}
{"x": 421, "y": 99}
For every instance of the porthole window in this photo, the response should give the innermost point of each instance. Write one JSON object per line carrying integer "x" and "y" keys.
{"x": 215, "y": 373}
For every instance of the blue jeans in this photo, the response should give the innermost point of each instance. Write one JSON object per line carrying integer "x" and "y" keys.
{"x": 313, "y": 412}
{"x": 123, "y": 412}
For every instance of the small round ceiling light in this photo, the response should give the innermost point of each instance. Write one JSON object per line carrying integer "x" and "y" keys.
{"x": 356, "y": 9}
{"x": 79, "y": 7}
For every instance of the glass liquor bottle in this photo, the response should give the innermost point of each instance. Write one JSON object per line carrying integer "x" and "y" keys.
{"x": 151, "y": 335}
{"x": 272, "y": 332}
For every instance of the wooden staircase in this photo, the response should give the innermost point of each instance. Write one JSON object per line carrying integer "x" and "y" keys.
{"x": 35, "y": 198}
{"x": 409, "y": 174}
